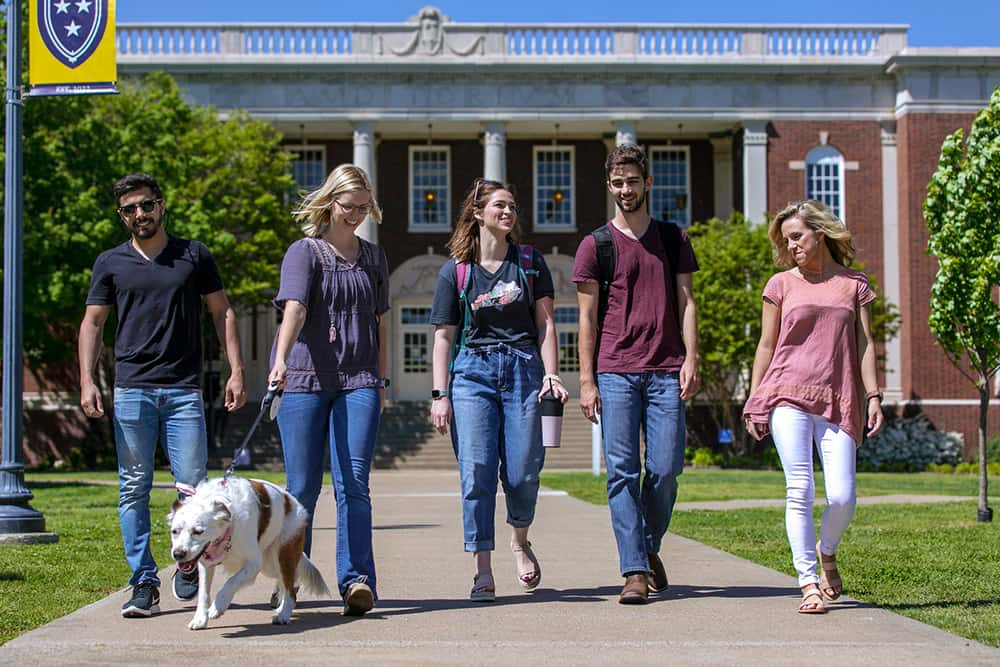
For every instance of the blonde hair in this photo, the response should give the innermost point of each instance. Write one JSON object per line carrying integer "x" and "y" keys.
{"x": 314, "y": 211}
{"x": 816, "y": 216}
{"x": 464, "y": 243}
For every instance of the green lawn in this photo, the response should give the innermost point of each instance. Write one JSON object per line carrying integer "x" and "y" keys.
{"x": 39, "y": 583}
{"x": 711, "y": 484}
{"x": 931, "y": 562}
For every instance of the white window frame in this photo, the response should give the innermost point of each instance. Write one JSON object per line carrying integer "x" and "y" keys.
{"x": 321, "y": 149}
{"x": 669, "y": 148}
{"x": 826, "y": 155}
{"x": 569, "y": 196}
{"x": 413, "y": 225}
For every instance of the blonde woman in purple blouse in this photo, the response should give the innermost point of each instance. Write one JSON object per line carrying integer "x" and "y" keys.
{"x": 330, "y": 357}
{"x": 814, "y": 383}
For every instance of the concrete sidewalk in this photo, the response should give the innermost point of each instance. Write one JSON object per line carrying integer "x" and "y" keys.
{"x": 720, "y": 610}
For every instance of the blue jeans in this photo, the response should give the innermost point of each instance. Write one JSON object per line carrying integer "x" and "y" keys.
{"x": 494, "y": 394}
{"x": 177, "y": 418}
{"x": 650, "y": 401}
{"x": 346, "y": 422}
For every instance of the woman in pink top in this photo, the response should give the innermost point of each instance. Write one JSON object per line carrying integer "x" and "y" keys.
{"x": 814, "y": 382}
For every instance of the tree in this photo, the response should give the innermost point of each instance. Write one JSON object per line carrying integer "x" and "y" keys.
{"x": 226, "y": 183}
{"x": 962, "y": 211}
{"x": 734, "y": 258}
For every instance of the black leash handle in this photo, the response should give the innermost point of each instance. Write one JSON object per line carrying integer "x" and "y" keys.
{"x": 265, "y": 406}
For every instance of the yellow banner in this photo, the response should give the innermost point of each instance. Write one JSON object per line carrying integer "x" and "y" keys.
{"x": 71, "y": 47}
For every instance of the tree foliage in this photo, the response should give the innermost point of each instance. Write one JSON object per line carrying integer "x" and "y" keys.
{"x": 734, "y": 258}
{"x": 962, "y": 211}
{"x": 226, "y": 182}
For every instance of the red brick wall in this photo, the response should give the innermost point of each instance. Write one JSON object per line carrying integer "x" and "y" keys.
{"x": 927, "y": 373}
{"x": 857, "y": 141}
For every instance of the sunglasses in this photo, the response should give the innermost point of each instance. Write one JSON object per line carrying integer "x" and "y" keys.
{"x": 481, "y": 182}
{"x": 147, "y": 206}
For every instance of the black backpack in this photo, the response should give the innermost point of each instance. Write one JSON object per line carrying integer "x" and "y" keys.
{"x": 670, "y": 236}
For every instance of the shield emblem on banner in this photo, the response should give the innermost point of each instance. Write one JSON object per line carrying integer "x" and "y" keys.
{"x": 72, "y": 30}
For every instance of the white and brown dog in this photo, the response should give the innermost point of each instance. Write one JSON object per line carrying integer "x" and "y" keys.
{"x": 247, "y": 526}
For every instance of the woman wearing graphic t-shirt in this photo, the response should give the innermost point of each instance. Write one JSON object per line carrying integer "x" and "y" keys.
{"x": 502, "y": 316}
{"x": 814, "y": 382}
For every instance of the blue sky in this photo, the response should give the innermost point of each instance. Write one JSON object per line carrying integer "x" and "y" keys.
{"x": 932, "y": 22}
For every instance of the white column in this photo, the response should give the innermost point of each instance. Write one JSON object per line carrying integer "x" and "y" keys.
{"x": 755, "y": 170}
{"x": 722, "y": 163}
{"x": 890, "y": 255}
{"x": 364, "y": 157}
{"x": 495, "y": 152}
{"x": 624, "y": 133}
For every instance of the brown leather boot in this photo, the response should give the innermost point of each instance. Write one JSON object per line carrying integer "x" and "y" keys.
{"x": 636, "y": 589}
{"x": 658, "y": 577}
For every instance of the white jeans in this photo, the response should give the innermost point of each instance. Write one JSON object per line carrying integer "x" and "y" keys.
{"x": 794, "y": 433}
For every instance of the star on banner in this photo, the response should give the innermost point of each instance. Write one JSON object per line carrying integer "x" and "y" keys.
{"x": 73, "y": 30}
{"x": 83, "y": 7}
{"x": 62, "y": 7}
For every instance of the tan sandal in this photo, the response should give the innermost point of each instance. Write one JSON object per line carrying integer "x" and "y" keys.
{"x": 483, "y": 588}
{"x": 830, "y": 583}
{"x": 812, "y": 600}
{"x": 529, "y": 580}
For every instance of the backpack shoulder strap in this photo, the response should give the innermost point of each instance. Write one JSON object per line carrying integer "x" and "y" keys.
{"x": 463, "y": 272}
{"x": 670, "y": 236}
{"x": 526, "y": 267}
{"x": 463, "y": 276}
{"x": 605, "y": 247}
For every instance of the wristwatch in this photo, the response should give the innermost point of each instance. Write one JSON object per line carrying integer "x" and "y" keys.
{"x": 439, "y": 393}
{"x": 384, "y": 383}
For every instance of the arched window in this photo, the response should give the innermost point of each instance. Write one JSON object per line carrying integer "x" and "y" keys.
{"x": 825, "y": 178}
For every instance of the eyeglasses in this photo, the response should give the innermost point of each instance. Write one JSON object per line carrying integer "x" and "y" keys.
{"x": 147, "y": 206}
{"x": 364, "y": 209}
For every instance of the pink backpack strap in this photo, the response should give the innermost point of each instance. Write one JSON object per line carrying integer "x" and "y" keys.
{"x": 526, "y": 259}
{"x": 461, "y": 276}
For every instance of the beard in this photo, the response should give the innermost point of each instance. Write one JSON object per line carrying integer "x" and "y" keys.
{"x": 144, "y": 229}
{"x": 634, "y": 206}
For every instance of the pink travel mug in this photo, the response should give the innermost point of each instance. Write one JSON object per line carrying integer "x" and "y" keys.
{"x": 552, "y": 416}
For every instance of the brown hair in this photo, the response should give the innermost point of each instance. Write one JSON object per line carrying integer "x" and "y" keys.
{"x": 627, "y": 154}
{"x": 818, "y": 217}
{"x": 314, "y": 210}
{"x": 464, "y": 243}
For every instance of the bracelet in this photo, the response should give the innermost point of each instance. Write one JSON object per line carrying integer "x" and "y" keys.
{"x": 875, "y": 393}
{"x": 553, "y": 377}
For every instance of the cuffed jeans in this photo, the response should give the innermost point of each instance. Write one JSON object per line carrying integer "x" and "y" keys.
{"x": 347, "y": 423}
{"x": 494, "y": 394}
{"x": 176, "y": 417}
{"x": 795, "y": 433}
{"x": 650, "y": 402}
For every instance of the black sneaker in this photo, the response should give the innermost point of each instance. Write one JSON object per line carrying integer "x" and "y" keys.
{"x": 145, "y": 601}
{"x": 185, "y": 585}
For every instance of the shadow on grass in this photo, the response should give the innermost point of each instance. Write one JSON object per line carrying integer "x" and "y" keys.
{"x": 940, "y": 604}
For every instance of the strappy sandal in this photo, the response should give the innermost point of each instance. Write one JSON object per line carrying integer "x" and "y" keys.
{"x": 830, "y": 583}
{"x": 529, "y": 580}
{"x": 812, "y": 600}
{"x": 483, "y": 588}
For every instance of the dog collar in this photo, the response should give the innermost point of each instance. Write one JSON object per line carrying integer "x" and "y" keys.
{"x": 217, "y": 551}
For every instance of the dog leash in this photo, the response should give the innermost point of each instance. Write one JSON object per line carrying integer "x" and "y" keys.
{"x": 273, "y": 392}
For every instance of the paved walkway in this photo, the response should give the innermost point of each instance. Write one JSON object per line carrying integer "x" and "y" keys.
{"x": 720, "y": 610}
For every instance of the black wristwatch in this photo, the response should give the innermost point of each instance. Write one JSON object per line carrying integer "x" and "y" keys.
{"x": 384, "y": 383}
{"x": 439, "y": 393}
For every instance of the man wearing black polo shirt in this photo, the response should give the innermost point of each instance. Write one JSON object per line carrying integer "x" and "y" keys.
{"x": 155, "y": 283}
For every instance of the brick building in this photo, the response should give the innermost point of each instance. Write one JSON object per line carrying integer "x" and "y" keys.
{"x": 735, "y": 118}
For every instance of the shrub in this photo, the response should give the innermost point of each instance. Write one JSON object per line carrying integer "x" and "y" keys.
{"x": 940, "y": 467}
{"x": 993, "y": 450}
{"x": 966, "y": 468}
{"x": 703, "y": 456}
{"x": 909, "y": 444}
